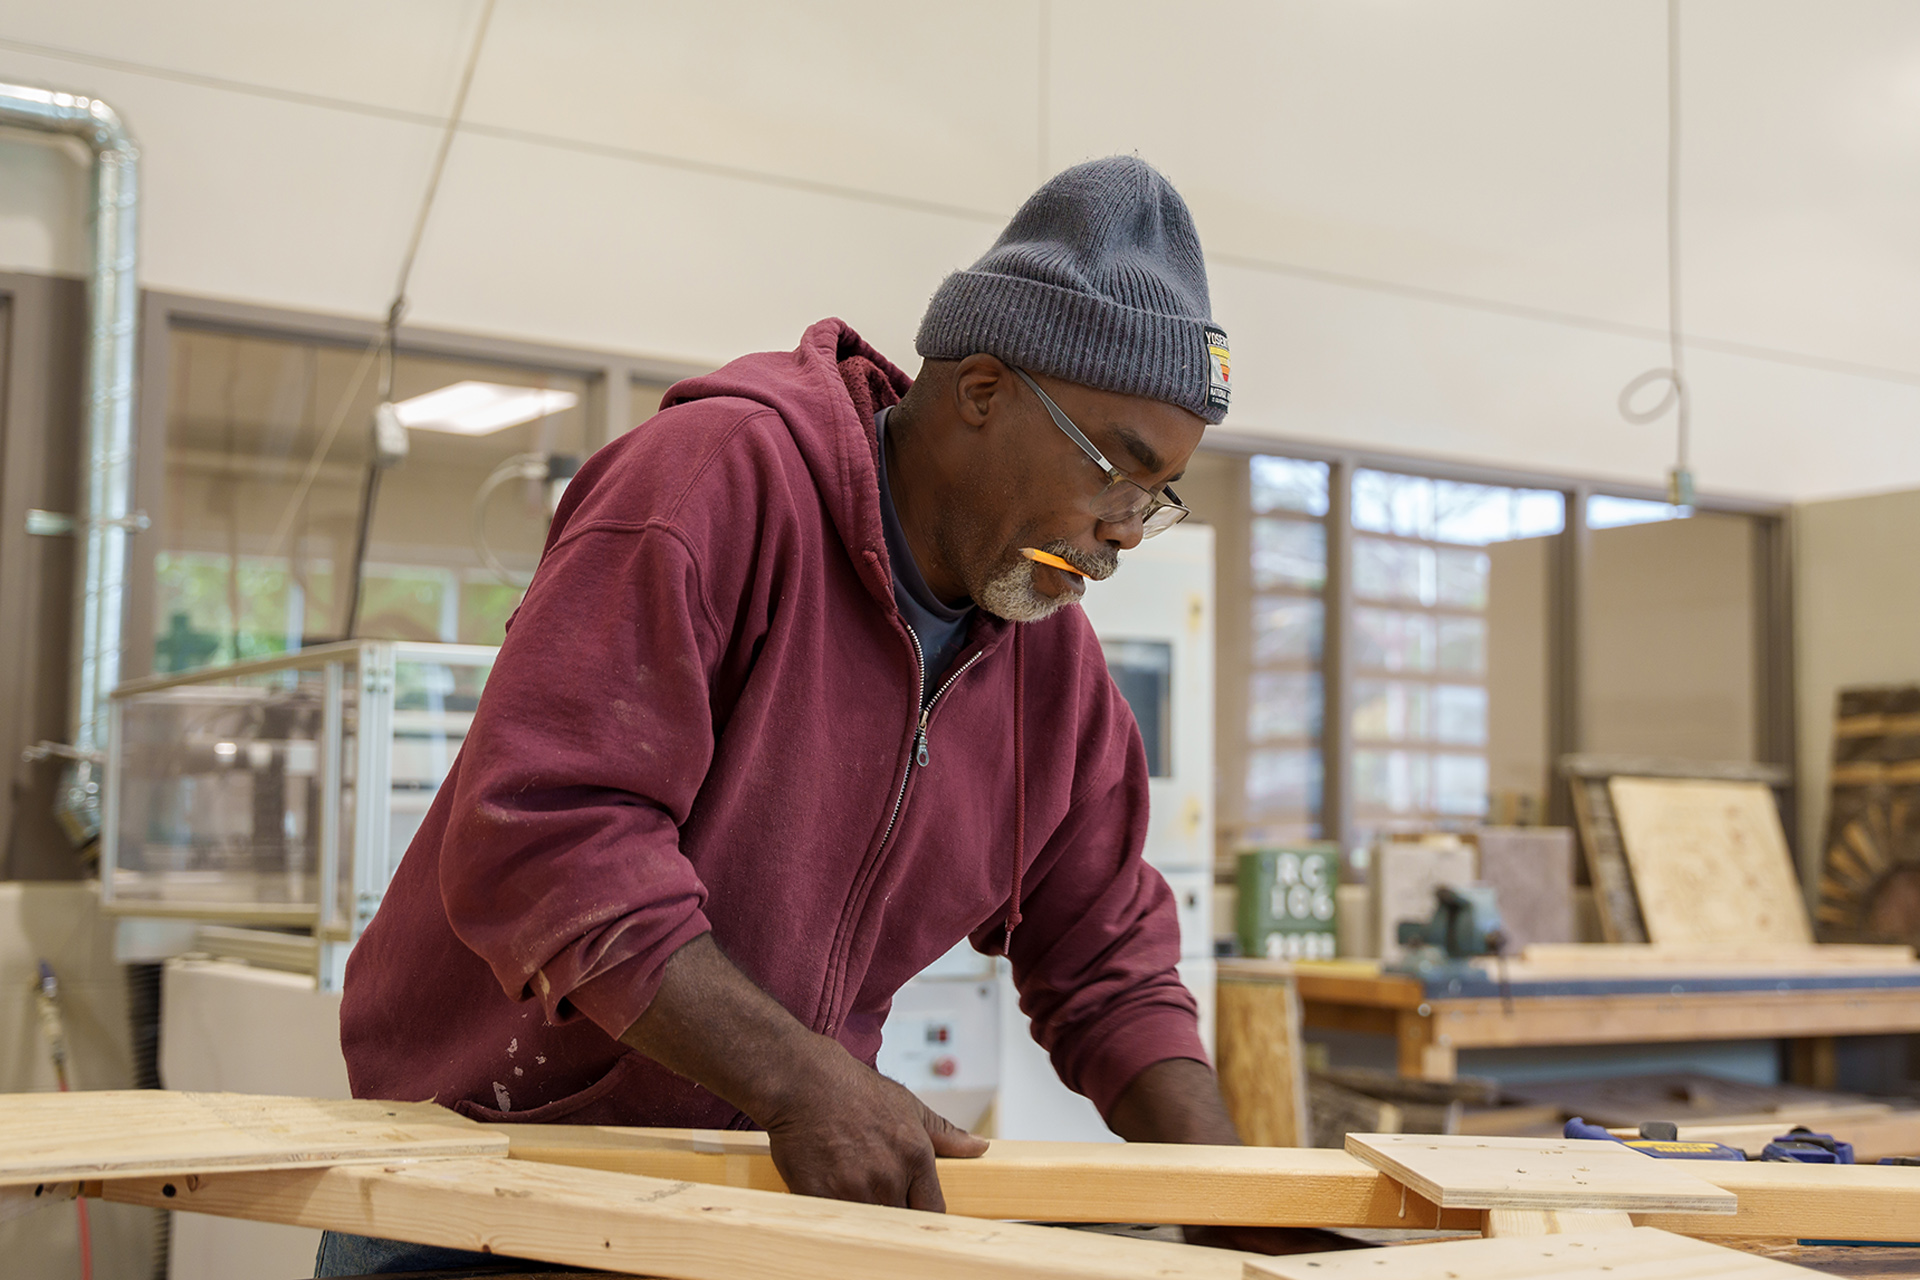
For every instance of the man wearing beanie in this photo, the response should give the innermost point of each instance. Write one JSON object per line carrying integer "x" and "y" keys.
{"x": 790, "y": 710}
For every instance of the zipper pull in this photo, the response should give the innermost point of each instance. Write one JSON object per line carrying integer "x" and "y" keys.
{"x": 920, "y": 754}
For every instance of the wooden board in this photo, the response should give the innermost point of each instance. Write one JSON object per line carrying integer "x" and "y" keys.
{"x": 1263, "y": 1073}
{"x": 1106, "y": 1182}
{"x": 1044, "y": 1181}
{"x": 655, "y": 1227}
{"x": 1636, "y": 1253}
{"x": 1614, "y": 899}
{"x": 1534, "y": 1173}
{"x": 1531, "y": 871}
{"x": 1710, "y": 861}
{"x": 1870, "y": 866}
{"x": 62, "y": 1137}
{"x": 1807, "y": 1201}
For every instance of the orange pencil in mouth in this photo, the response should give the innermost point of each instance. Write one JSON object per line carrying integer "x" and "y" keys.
{"x": 1048, "y": 558}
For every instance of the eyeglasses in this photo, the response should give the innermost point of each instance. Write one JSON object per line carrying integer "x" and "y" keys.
{"x": 1123, "y": 499}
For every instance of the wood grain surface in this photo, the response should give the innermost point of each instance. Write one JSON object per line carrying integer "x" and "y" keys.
{"x": 60, "y": 1137}
{"x": 1104, "y": 1182}
{"x": 1710, "y": 862}
{"x": 1262, "y": 1070}
{"x": 1469, "y": 1172}
{"x": 1044, "y": 1181}
{"x": 673, "y": 1229}
{"x": 1637, "y": 1253}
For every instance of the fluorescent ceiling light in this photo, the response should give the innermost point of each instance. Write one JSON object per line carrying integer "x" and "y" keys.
{"x": 476, "y": 408}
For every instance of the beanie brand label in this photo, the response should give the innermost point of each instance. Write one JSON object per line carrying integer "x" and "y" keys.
{"x": 1219, "y": 369}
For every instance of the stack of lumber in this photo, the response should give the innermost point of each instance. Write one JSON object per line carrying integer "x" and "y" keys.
{"x": 709, "y": 1206}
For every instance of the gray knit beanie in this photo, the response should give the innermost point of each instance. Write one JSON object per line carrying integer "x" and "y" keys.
{"x": 1098, "y": 280}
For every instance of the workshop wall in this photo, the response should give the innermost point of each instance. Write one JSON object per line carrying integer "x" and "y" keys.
{"x": 1857, "y": 611}
{"x": 1433, "y": 229}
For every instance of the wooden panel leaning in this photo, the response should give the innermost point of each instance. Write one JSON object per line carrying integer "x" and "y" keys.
{"x": 1263, "y": 1073}
{"x": 1710, "y": 861}
{"x": 675, "y": 1230}
{"x": 64, "y": 1137}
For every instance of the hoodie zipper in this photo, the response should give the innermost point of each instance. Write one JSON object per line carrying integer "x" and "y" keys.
{"x": 920, "y": 759}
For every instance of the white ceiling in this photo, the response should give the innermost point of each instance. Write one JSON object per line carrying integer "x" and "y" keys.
{"x": 1499, "y": 161}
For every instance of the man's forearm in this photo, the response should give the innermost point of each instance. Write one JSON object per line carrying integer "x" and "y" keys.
{"x": 838, "y": 1128}
{"x": 710, "y": 1023}
{"x": 1175, "y": 1100}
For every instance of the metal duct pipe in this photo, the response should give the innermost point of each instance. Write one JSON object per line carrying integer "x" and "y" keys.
{"x": 106, "y": 516}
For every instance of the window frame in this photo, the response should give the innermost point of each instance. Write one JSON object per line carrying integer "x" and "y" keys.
{"x": 611, "y": 410}
{"x": 1774, "y": 741}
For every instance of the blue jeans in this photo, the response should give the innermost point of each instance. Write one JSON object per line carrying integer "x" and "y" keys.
{"x": 346, "y": 1255}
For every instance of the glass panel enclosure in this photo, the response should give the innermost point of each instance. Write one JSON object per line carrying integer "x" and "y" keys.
{"x": 285, "y": 790}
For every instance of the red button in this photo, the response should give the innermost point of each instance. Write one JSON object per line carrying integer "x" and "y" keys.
{"x": 945, "y": 1066}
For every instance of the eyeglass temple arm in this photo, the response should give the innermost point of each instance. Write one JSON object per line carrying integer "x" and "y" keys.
{"x": 1065, "y": 423}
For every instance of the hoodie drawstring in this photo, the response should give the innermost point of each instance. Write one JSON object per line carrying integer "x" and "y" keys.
{"x": 1019, "y": 786}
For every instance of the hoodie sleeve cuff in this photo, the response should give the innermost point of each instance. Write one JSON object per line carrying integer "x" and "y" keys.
{"x": 614, "y": 998}
{"x": 1143, "y": 1041}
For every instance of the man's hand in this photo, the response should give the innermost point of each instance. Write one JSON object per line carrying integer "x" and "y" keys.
{"x": 838, "y": 1127}
{"x": 848, "y": 1133}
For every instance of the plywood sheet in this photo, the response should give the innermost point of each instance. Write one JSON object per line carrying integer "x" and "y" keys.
{"x": 1710, "y": 861}
{"x": 674, "y": 1229}
{"x": 1537, "y": 1173}
{"x": 64, "y": 1137}
{"x": 1634, "y": 1253}
{"x": 1531, "y": 869}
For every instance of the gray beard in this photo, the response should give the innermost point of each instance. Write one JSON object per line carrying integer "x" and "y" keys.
{"x": 1011, "y": 593}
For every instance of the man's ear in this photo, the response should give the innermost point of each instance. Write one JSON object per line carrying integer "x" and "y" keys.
{"x": 977, "y": 383}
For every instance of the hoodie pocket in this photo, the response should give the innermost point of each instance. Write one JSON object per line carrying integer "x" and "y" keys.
{"x": 559, "y": 1108}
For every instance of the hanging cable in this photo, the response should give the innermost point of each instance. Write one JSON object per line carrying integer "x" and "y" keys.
{"x": 1678, "y": 395}
{"x": 389, "y": 436}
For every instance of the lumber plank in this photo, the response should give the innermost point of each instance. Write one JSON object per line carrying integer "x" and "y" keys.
{"x": 672, "y": 1229}
{"x": 1045, "y": 1181}
{"x": 65, "y": 1137}
{"x": 1806, "y": 1201}
{"x": 1103, "y": 1182}
{"x": 1635, "y": 1253}
{"x": 1550, "y": 1222}
{"x": 1537, "y": 1173}
{"x": 1710, "y": 861}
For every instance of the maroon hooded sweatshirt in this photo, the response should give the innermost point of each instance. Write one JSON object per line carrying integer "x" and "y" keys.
{"x": 707, "y": 715}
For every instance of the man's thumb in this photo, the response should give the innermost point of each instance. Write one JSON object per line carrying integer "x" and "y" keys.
{"x": 948, "y": 1138}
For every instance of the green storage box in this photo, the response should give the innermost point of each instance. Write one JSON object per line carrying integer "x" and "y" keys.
{"x": 1287, "y": 904}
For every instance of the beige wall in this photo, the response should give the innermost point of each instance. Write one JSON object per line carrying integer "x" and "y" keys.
{"x": 1857, "y": 621}
{"x": 1670, "y": 649}
{"x": 1519, "y": 592}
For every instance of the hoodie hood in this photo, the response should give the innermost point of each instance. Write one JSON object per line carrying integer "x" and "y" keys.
{"x": 827, "y": 390}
